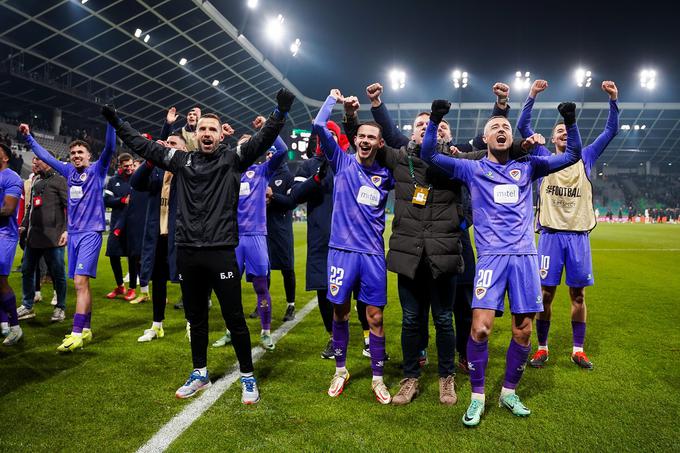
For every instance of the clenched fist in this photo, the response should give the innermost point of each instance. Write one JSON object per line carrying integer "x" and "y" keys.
{"x": 374, "y": 91}
{"x": 537, "y": 87}
{"x": 609, "y": 87}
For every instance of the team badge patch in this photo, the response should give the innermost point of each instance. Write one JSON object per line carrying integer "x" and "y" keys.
{"x": 544, "y": 273}
{"x": 334, "y": 289}
{"x": 278, "y": 182}
{"x": 376, "y": 180}
{"x": 83, "y": 176}
{"x": 480, "y": 292}
{"x": 515, "y": 174}
{"x": 250, "y": 173}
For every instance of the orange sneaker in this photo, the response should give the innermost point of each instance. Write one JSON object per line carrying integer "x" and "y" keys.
{"x": 539, "y": 358}
{"x": 130, "y": 295}
{"x": 581, "y": 359}
{"x": 118, "y": 291}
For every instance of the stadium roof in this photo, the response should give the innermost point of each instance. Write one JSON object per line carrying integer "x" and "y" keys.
{"x": 75, "y": 55}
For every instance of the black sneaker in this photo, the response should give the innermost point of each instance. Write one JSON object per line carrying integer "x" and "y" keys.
{"x": 328, "y": 353}
{"x": 254, "y": 314}
{"x": 290, "y": 313}
{"x": 179, "y": 305}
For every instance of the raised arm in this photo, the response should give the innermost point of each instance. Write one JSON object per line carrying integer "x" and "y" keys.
{"x": 524, "y": 120}
{"x": 328, "y": 145}
{"x": 141, "y": 178}
{"x": 109, "y": 149}
{"x": 595, "y": 149}
{"x": 544, "y": 165}
{"x": 350, "y": 120}
{"x": 278, "y": 157}
{"x": 393, "y": 137}
{"x": 60, "y": 167}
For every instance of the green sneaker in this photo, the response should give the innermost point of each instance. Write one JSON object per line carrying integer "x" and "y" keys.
{"x": 513, "y": 403}
{"x": 473, "y": 413}
{"x": 225, "y": 340}
{"x": 267, "y": 342}
{"x": 87, "y": 335}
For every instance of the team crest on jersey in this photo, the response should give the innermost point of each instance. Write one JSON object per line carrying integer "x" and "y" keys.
{"x": 376, "y": 180}
{"x": 278, "y": 182}
{"x": 544, "y": 273}
{"x": 250, "y": 173}
{"x": 83, "y": 176}
{"x": 515, "y": 174}
{"x": 334, "y": 289}
{"x": 480, "y": 292}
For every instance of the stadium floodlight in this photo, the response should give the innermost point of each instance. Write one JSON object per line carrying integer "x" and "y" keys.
{"x": 583, "y": 77}
{"x": 182, "y": 61}
{"x": 460, "y": 79}
{"x": 274, "y": 28}
{"x": 648, "y": 79}
{"x": 398, "y": 78}
{"x": 215, "y": 82}
{"x": 83, "y": 1}
{"x": 146, "y": 38}
{"x": 625, "y": 127}
{"x": 636, "y": 127}
{"x": 407, "y": 127}
{"x": 252, "y": 4}
{"x": 643, "y": 127}
{"x": 138, "y": 33}
{"x": 295, "y": 46}
{"x": 522, "y": 80}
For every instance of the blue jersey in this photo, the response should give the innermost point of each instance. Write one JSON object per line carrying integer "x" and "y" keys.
{"x": 10, "y": 185}
{"x": 501, "y": 193}
{"x": 85, "y": 187}
{"x": 252, "y": 202}
{"x": 359, "y": 194}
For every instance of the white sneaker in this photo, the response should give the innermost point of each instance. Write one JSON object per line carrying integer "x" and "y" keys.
{"x": 126, "y": 279}
{"x": 54, "y": 299}
{"x": 250, "y": 394}
{"x": 150, "y": 334}
{"x": 193, "y": 385}
{"x": 38, "y": 297}
{"x": 25, "y": 313}
{"x": 338, "y": 384}
{"x": 4, "y": 329}
{"x": 382, "y": 394}
{"x": 58, "y": 315}
{"x": 14, "y": 336}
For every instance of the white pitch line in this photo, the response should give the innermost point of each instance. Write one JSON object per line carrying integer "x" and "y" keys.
{"x": 180, "y": 422}
{"x": 636, "y": 250}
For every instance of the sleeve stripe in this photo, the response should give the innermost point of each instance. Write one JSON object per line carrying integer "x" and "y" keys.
{"x": 300, "y": 179}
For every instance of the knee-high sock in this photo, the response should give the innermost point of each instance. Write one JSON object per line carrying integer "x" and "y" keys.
{"x": 578, "y": 332}
{"x": 79, "y": 320}
{"x": 3, "y": 315}
{"x": 88, "y": 320}
{"x": 515, "y": 362}
{"x": 9, "y": 306}
{"x": 340, "y": 340}
{"x": 376, "y": 346}
{"x": 289, "y": 284}
{"x": 542, "y": 329}
{"x": 478, "y": 357}
{"x": 264, "y": 302}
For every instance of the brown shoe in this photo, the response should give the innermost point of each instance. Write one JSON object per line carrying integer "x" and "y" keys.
{"x": 407, "y": 391}
{"x": 447, "y": 390}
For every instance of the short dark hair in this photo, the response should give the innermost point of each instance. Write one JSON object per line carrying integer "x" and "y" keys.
{"x": 7, "y": 150}
{"x": 559, "y": 123}
{"x": 178, "y": 135}
{"x": 373, "y": 124}
{"x": 211, "y": 115}
{"x": 124, "y": 157}
{"x": 79, "y": 142}
{"x": 428, "y": 114}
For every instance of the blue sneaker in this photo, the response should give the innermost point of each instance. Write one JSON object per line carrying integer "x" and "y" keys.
{"x": 250, "y": 394}
{"x": 193, "y": 385}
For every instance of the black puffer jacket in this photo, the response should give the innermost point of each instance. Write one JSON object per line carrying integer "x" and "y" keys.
{"x": 207, "y": 183}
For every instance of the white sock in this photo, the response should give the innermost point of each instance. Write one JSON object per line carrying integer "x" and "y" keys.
{"x": 77, "y": 334}
{"x": 144, "y": 289}
{"x": 4, "y": 325}
{"x": 291, "y": 304}
{"x": 157, "y": 325}
{"x": 576, "y": 349}
{"x": 507, "y": 391}
{"x": 202, "y": 371}
{"x": 37, "y": 294}
{"x": 340, "y": 371}
{"x": 247, "y": 374}
{"x": 377, "y": 378}
{"x": 16, "y": 328}
{"x": 86, "y": 329}
{"x": 542, "y": 348}
{"x": 265, "y": 332}
{"x": 478, "y": 396}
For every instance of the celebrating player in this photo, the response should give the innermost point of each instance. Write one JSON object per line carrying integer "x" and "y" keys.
{"x": 502, "y": 210}
{"x": 565, "y": 219}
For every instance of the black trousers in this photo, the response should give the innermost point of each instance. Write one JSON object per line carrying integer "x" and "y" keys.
{"x": 202, "y": 270}
{"x": 160, "y": 276}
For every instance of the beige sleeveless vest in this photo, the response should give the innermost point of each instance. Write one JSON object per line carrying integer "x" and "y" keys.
{"x": 566, "y": 200}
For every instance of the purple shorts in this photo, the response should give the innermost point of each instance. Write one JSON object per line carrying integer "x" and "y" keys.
{"x": 570, "y": 250}
{"x": 517, "y": 273}
{"x": 83, "y": 253}
{"x": 252, "y": 254}
{"x": 348, "y": 271}
{"x": 8, "y": 248}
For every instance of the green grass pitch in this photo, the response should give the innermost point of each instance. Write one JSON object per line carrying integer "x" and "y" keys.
{"x": 116, "y": 393}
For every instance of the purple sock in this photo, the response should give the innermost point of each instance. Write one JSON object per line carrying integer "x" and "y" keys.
{"x": 79, "y": 320}
{"x": 340, "y": 340}
{"x": 88, "y": 320}
{"x": 542, "y": 329}
{"x": 578, "y": 332}
{"x": 264, "y": 302}
{"x": 9, "y": 306}
{"x": 376, "y": 346}
{"x": 478, "y": 357}
{"x": 515, "y": 362}
{"x": 3, "y": 315}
